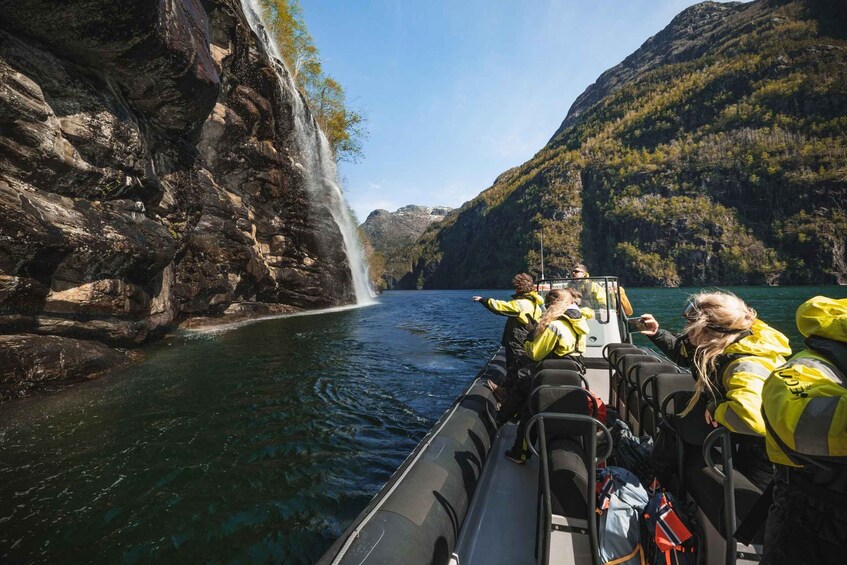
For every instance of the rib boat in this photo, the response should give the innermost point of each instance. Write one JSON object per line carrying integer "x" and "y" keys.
{"x": 457, "y": 500}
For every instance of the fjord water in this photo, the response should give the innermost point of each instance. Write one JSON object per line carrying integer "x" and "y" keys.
{"x": 259, "y": 442}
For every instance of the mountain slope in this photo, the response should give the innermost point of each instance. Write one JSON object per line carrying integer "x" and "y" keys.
{"x": 714, "y": 154}
{"x": 391, "y": 234}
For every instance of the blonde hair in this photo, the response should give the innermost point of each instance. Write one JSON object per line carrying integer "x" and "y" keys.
{"x": 715, "y": 320}
{"x": 557, "y": 301}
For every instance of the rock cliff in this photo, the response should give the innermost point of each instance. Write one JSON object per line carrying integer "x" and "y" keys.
{"x": 147, "y": 179}
{"x": 714, "y": 154}
{"x": 392, "y": 234}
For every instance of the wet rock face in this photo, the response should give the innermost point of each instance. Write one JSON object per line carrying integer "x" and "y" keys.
{"x": 147, "y": 176}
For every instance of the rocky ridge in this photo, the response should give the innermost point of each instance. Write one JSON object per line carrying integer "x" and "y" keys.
{"x": 714, "y": 154}
{"x": 392, "y": 233}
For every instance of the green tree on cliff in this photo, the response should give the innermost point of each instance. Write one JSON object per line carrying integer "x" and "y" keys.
{"x": 343, "y": 126}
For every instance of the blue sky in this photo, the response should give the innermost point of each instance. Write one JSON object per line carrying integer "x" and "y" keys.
{"x": 456, "y": 92}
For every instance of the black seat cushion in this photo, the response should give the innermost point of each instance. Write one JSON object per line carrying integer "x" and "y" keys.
{"x": 556, "y": 377}
{"x": 561, "y": 364}
{"x": 626, "y": 362}
{"x": 692, "y": 428}
{"x": 568, "y": 478}
{"x": 614, "y": 349}
{"x": 706, "y": 487}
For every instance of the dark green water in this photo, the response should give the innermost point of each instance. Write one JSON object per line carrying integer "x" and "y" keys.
{"x": 258, "y": 443}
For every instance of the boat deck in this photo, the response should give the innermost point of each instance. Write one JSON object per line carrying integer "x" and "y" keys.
{"x": 500, "y": 526}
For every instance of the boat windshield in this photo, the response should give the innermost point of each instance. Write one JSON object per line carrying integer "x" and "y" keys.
{"x": 601, "y": 294}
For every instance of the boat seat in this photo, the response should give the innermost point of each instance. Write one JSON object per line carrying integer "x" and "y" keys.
{"x": 624, "y": 364}
{"x": 568, "y": 478}
{"x": 706, "y": 488}
{"x": 635, "y": 401}
{"x": 612, "y": 352}
{"x": 655, "y": 390}
{"x": 567, "y": 441}
{"x": 569, "y": 364}
{"x": 609, "y": 348}
{"x": 558, "y": 377}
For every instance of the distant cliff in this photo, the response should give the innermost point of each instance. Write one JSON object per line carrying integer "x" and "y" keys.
{"x": 391, "y": 234}
{"x": 147, "y": 178}
{"x": 714, "y": 154}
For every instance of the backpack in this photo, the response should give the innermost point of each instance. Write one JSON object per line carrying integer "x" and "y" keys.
{"x": 601, "y": 406}
{"x": 670, "y": 536}
{"x": 631, "y": 452}
{"x": 620, "y": 502}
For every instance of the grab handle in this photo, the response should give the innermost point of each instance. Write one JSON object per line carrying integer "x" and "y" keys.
{"x": 572, "y": 418}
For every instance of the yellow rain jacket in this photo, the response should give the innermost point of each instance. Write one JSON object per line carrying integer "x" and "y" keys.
{"x": 524, "y": 307}
{"x": 751, "y": 361}
{"x": 560, "y": 337}
{"x": 582, "y": 339}
{"x": 805, "y": 401}
{"x": 592, "y": 293}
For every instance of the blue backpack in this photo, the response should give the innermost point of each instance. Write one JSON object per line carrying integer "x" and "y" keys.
{"x": 620, "y": 502}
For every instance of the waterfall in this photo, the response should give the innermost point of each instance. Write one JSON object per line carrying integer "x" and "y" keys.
{"x": 316, "y": 157}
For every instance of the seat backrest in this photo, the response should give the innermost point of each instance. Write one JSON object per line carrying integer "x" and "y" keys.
{"x": 640, "y": 371}
{"x": 556, "y": 377}
{"x": 665, "y": 384}
{"x": 610, "y": 347}
{"x": 616, "y": 354}
{"x": 625, "y": 362}
{"x": 691, "y": 428}
{"x": 563, "y": 401}
{"x": 562, "y": 364}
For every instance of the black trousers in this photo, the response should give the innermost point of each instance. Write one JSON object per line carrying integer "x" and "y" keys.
{"x": 516, "y": 403}
{"x": 516, "y": 359}
{"x": 807, "y": 521}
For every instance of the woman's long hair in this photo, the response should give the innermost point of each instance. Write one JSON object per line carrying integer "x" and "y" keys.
{"x": 557, "y": 301}
{"x": 715, "y": 320}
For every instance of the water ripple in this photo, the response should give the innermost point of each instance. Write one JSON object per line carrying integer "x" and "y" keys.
{"x": 258, "y": 442}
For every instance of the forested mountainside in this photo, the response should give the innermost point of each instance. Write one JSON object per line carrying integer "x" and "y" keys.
{"x": 714, "y": 154}
{"x": 391, "y": 236}
{"x": 149, "y": 175}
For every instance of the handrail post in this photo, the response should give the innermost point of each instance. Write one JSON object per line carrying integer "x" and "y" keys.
{"x": 590, "y": 501}
{"x": 729, "y": 498}
{"x": 726, "y": 474}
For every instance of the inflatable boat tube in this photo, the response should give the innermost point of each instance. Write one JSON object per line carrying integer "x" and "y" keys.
{"x": 417, "y": 516}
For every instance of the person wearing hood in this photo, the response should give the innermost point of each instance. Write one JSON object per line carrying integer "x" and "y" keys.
{"x": 805, "y": 412}
{"x": 731, "y": 353}
{"x": 524, "y": 308}
{"x": 556, "y": 336}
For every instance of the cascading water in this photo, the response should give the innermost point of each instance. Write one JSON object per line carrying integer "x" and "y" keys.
{"x": 319, "y": 168}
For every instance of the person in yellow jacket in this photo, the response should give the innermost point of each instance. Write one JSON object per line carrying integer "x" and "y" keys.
{"x": 593, "y": 294}
{"x": 731, "y": 353}
{"x": 523, "y": 308}
{"x": 625, "y": 306}
{"x": 556, "y": 336}
{"x": 804, "y": 404}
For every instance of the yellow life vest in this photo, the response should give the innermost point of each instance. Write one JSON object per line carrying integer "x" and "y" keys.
{"x": 804, "y": 402}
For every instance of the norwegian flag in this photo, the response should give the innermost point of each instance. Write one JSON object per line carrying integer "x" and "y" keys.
{"x": 670, "y": 531}
{"x": 604, "y": 493}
